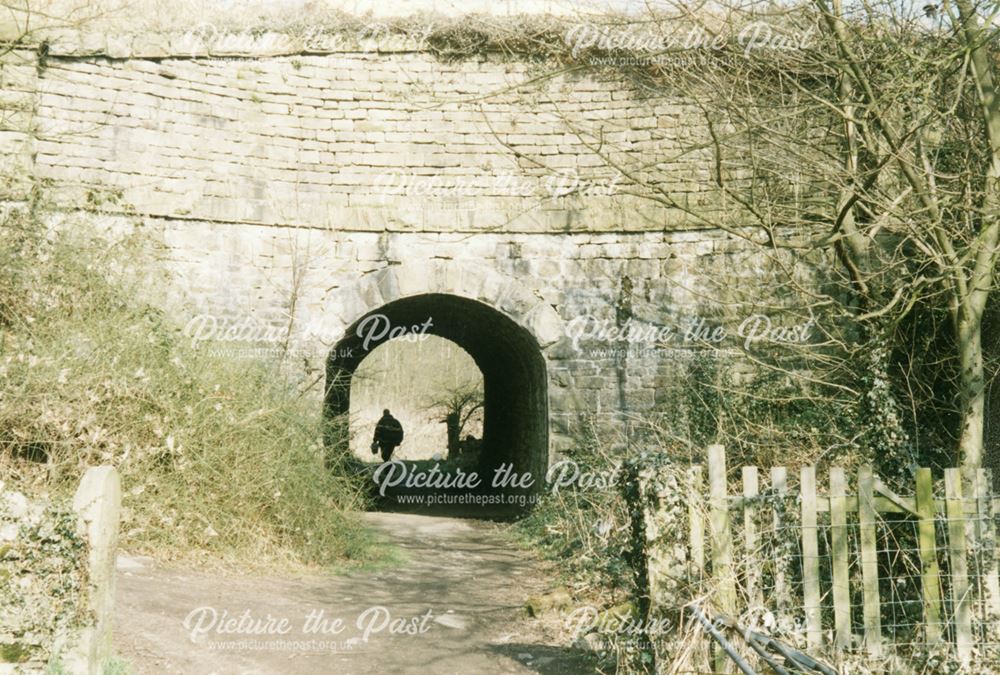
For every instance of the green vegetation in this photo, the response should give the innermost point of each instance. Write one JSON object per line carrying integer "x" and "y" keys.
{"x": 43, "y": 578}
{"x": 116, "y": 666}
{"x": 219, "y": 457}
{"x": 585, "y": 529}
{"x": 765, "y": 420}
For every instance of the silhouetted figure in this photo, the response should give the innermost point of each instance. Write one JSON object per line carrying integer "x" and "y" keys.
{"x": 451, "y": 425}
{"x": 388, "y": 435}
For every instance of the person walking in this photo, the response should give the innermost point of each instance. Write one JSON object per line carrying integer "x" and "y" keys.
{"x": 388, "y": 435}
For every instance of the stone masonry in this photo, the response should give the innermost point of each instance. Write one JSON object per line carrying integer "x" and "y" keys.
{"x": 304, "y": 191}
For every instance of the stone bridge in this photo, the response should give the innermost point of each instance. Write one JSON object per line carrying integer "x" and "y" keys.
{"x": 307, "y": 189}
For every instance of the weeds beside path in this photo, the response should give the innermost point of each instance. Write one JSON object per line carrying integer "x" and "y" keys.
{"x": 218, "y": 456}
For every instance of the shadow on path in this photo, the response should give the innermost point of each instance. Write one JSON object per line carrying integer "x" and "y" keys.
{"x": 454, "y": 606}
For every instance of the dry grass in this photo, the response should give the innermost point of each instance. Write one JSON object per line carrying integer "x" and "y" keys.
{"x": 218, "y": 458}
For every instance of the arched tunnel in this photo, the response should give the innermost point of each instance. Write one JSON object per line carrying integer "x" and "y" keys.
{"x": 515, "y": 399}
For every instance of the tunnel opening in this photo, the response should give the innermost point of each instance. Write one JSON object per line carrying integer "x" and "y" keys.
{"x": 432, "y": 386}
{"x": 512, "y": 455}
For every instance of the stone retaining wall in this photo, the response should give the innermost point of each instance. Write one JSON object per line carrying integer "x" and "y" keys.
{"x": 286, "y": 186}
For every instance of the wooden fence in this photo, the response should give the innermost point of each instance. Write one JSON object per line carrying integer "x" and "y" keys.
{"x": 851, "y": 564}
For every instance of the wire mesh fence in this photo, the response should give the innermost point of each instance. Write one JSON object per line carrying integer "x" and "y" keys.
{"x": 843, "y": 567}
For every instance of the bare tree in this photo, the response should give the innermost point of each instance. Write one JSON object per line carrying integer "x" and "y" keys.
{"x": 457, "y": 405}
{"x": 946, "y": 210}
{"x": 875, "y": 142}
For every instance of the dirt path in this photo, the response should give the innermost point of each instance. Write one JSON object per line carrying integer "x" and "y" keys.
{"x": 463, "y": 572}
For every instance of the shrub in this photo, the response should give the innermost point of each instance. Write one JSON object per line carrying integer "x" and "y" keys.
{"x": 216, "y": 455}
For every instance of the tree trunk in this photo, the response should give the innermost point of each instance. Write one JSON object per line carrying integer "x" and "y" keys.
{"x": 991, "y": 352}
{"x": 970, "y": 329}
{"x": 972, "y": 394}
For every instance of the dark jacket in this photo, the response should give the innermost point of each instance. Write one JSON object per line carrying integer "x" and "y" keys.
{"x": 388, "y": 431}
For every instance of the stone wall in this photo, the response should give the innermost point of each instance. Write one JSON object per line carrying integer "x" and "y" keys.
{"x": 18, "y": 95}
{"x": 396, "y": 141}
{"x": 302, "y": 191}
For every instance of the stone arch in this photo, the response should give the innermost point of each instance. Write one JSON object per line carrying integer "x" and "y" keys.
{"x": 503, "y": 326}
{"x": 345, "y": 305}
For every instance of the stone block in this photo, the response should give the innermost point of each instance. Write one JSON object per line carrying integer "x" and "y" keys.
{"x": 98, "y": 504}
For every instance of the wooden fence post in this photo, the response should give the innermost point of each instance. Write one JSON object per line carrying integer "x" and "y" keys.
{"x": 971, "y": 529}
{"x": 696, "y": 522}
{"x": 959, "y": 564}
{"x": 839, "y": 546}
{"x": 810, "y": 558}
{"x": 722, "y": 540}
{"x": 782, "y": 593}
{"x": 869, "y": 560}
{"x": 930, "y": 576}
{"x": 751, "y": 487}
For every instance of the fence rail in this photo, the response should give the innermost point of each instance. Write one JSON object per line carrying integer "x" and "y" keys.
{"x": 848, "y": 563}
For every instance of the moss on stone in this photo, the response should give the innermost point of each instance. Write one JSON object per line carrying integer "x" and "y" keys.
{"x": 14, "y": 652}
